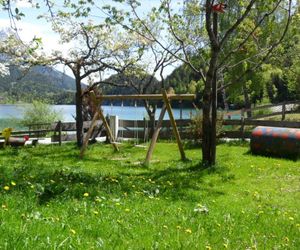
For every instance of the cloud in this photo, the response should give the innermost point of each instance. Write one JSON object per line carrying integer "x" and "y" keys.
{"x": 27, "y": 31}
{"x": 24, "y": 4}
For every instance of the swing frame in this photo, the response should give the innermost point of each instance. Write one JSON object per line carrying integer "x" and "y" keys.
{"x": 165, "y": 97}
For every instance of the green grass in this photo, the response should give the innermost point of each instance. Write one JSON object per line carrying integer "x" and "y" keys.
{"x": 55, "y": 200}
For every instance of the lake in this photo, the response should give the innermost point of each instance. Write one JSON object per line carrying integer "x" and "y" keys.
{"x": 16, "y": 111}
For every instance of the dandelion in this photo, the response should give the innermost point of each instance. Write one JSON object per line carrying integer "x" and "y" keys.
{"x": 225, "y": 245}
{"x": 86, "y": 194}
{"x": 13, "y": 183}
{"x": 98, "y": 199}
{"x": 6, "y": 188}
{"x": 72, "y": 231}
{"x": 188, "y": 230}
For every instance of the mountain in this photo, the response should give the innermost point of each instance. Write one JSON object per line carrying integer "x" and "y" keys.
{"x": 39, "y": 82}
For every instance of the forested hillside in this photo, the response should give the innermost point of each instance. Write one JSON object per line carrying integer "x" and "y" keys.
{"x": 39, "y": 82}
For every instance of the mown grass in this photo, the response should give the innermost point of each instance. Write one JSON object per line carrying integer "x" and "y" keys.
{"x": 55, "y": 200}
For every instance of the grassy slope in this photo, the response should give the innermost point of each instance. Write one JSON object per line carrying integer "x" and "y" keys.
{"x": 108, "y": 200}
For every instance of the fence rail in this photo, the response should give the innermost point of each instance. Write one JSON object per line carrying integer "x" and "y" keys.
{"x": 140, "y": 129}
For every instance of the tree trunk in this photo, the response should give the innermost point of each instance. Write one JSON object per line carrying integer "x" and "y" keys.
{"x": 210, "y": 101}
{"x": 151, "y": 113}
{"x": 79, "y": 115}
{"x": 214, "y": 103}
{"x": 247, "y": 101}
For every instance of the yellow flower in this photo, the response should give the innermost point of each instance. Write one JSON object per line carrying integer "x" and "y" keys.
{"x": 13, "y": 183}
{"x": 225, "y": 245}
{"x": 6, "y": 188}
{"x": 188, "y": 230}
{"x": 86, "y": 194}
{"x": 72, "y": 231}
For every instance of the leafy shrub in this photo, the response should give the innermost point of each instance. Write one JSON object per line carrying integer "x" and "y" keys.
{"x": 262, "y": 112}
{"x": 195, "y": 128}
{"x": 39, "y": 113}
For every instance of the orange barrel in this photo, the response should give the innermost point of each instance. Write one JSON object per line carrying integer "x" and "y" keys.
{"x": 275, "y": 141}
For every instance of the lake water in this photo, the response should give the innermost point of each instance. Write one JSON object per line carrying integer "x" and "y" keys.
{"x": 68, "y": 112}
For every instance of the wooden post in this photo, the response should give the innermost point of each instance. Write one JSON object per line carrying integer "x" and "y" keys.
{"x": 175, "y": 129}
{"x": 99, "y": 114}
{"x": 242, "y": 129}
{"x": 283, "y": 111}
{"x": 59, "y": 132}
{"x": 88, "y": 134}
{"x": 242, "y": 113}
{"x": 108, "y": 130}
{"x": 145, "y": 128}
{"x": 155, "y": 136}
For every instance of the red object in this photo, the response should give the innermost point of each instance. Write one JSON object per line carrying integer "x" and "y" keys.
{"x": 26, "y": 137}
{"x": 220, "y": 7}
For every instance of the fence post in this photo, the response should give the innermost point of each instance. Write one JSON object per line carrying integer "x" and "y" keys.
{"x": 114, "y": 125}
{"x": 242, "y": 124}
{"x": 59, "y": 132}
{"x": 283, "y": 111}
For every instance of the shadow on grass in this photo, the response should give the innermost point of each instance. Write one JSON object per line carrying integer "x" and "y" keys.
{"x": 184, "y": 181}
{"x": 290, "y": 157}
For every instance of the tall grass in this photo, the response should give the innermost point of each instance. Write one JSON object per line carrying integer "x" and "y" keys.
{"x": 51, "y": 199}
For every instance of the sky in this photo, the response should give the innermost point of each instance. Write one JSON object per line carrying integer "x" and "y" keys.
{"x": 30, "y": 27}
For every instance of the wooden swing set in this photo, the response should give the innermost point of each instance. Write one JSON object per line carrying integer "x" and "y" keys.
{"x": 166, "y": 97}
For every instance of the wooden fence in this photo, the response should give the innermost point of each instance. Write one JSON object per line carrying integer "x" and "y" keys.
{"x": 140, "y": 129}
{"x": 66, "y": 131}
{"x": 270, "y": 110}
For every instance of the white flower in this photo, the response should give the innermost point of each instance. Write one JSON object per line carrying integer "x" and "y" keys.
{"x": 4, "y": 70}
{"x": 201, "y": 209}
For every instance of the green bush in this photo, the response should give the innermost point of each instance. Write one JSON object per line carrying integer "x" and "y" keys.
{"x": 195, "y": 128}
{"x": 40, "y": 113}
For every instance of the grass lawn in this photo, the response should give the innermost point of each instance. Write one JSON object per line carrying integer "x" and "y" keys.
{"x": 51, "y": 199}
